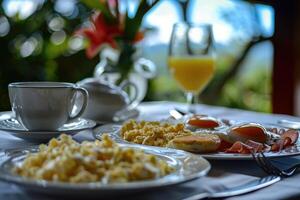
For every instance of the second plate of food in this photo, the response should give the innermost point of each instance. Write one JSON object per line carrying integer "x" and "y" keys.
{"x": 243, "y": 139}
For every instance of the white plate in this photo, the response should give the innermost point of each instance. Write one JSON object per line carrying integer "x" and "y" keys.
{"x": 187, "y": 167}
{"x": 114, "y": 131}
{"x": 12, "y": 126}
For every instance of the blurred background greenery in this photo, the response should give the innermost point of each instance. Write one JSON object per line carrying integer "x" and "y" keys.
{"x": 37, "y": 43}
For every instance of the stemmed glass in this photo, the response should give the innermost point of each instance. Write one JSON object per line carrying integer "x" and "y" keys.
{"x": 191, "y": 58}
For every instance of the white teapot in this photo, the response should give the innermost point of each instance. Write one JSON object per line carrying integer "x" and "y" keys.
{"x": 106, "y": 99}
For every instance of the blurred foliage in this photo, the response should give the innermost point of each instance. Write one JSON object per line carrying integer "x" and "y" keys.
{"x": 249, "y": 91}
{"x": 243, "y": 75}
{"x": 42, "y": 47}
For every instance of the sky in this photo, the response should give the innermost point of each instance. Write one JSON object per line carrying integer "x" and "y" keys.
{"x": 165, "y": 15}
{"x": 201, "y": 11}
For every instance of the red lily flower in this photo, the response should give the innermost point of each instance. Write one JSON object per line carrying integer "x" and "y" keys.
{"x": 99, "y": 33}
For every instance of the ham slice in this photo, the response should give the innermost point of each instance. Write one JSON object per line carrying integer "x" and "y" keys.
{"x": 292, "y": 134}
{"x": 224, "y": 145}
{"x": 245, "y": 148}
{"x": 287, "y": 138}
{"x": 257, "y": 147}
{"x": 281, "y": 144}
{"x": 239, "y": 147}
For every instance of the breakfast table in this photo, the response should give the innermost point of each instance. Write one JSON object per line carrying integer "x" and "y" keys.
{"x": 223, "y": 174}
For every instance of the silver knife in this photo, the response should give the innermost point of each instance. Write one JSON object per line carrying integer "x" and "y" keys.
{"x": 238, "y": 190}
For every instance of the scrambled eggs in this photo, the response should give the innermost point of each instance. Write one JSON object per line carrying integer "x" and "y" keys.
{"x": 152, "y": 133}
{"x": 65, "y": 160}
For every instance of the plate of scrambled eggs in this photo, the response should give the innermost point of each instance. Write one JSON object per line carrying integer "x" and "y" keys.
{"x": 66, "y": 167}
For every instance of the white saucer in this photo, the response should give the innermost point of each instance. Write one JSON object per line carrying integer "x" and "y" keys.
{"x": 12, "y": 126}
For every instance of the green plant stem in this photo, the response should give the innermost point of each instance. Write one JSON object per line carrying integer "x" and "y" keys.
{"x": 125, "y": 61}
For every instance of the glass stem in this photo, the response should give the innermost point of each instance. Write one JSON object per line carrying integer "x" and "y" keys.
{"x": 191, "y": 100}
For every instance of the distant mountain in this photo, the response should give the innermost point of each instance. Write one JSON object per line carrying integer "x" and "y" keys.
{"x": 260, "y": 56}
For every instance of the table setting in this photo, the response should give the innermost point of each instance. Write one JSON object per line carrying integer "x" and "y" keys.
{"x": 224, "y": 174}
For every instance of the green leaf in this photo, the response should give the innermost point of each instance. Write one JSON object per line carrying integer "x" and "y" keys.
{"x": 132, "y": 25}
{"x": 96, "y": 4}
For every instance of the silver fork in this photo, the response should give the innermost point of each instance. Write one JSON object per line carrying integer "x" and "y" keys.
{"x": 267, "y": 165}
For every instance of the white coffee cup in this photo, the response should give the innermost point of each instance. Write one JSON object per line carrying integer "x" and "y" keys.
{"x": 41, "y": 106}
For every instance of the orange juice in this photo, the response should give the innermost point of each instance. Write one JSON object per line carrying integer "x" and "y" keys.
{"x": 192, "y": 73}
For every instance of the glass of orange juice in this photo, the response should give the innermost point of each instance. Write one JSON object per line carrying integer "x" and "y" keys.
{"x": 191, "y": 58}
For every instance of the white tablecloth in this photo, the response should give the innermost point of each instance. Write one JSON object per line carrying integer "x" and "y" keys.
{"x": 223, "y": 173}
